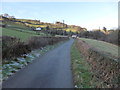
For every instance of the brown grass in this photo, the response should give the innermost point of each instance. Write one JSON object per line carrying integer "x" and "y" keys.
{"x": 106, "y": 70}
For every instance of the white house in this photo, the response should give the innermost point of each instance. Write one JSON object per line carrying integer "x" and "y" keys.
{"x": 74, "y": 36}
{"x": 38, "y": 29}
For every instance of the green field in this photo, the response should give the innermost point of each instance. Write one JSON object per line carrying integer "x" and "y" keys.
{"x": 11, "y": 24}
{"x": 19, "y": 31}
{"x": 22, "y": 35}
{"x": 103, "y": 46}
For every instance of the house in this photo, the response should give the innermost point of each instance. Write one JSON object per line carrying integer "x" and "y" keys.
{"x": 74, "y": 36}
{"x": 38, "y": 29}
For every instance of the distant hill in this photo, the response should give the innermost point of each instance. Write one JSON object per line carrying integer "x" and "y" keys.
{"x": 37, "y": 23}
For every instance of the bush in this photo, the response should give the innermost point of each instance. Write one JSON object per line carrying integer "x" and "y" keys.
{"x": 38, "y": 42}
{"x": 113, "y": 37}
{"x": 98, "y": 35}
{"x": 13, "y": 47}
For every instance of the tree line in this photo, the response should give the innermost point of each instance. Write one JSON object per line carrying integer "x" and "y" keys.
{"x": 112, "y": 37}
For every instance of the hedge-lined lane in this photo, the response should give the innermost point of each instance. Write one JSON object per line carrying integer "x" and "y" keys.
{"x": 49, "y": 71}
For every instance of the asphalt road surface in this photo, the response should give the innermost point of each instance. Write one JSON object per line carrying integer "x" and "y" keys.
{"x": 52, "y": 70}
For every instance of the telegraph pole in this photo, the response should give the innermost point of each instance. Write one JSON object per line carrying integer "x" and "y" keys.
{"x": 63, "y": 23}
{"x": 63, "y": 27}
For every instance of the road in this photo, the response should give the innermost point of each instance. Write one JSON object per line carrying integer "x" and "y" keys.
{"x": 52, "y": 70}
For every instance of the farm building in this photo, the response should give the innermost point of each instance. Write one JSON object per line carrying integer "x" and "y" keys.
{"x": 74, "y": 36}
{"x": 38, "y": 29}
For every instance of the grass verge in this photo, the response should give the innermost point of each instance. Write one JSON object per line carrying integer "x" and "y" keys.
{"x": 81, "y": 70}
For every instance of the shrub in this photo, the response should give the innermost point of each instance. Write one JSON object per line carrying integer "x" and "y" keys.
{"x": 98, "y": 35}
{"x": 38, "y": 42}
{"x": 113, "y": 37}
{"x": 13, "y": 47}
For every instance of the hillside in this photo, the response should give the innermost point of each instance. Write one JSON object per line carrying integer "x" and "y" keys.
{"x": 18, "y": 30}
{"x": 37, "y": 23}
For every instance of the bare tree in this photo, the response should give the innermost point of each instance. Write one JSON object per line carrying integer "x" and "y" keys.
{"x": 105, "y": 29}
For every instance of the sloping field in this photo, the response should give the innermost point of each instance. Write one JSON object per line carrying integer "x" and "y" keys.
{"x": 19, "y": 31}
{"x": 104, "y": 47}
{"x": 12, "y": 24}
{"x": 22, "y": 35}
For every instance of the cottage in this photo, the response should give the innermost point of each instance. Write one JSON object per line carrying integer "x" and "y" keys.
{"x": 74, "y": 36}
{"x": 38, "y": 29}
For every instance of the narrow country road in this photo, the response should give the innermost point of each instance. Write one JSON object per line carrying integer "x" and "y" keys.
{"x": 52, "y": 70}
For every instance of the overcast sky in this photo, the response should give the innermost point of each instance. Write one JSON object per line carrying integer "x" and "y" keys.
{"x": 91, "y": 15}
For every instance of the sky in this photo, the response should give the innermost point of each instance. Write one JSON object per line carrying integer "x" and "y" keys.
{"x": 90, "y": 15}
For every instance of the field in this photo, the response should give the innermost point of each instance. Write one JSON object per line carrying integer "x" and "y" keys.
{"x": 19, "y": 31}
{"x": 23, "y": 36}
{"x": 12, "y": 24}
{"x": 103, "y": 46}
